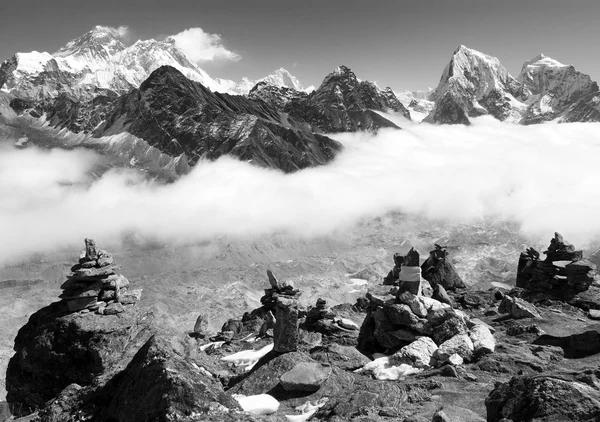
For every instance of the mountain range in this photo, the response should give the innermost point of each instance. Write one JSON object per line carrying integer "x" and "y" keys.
{"x": 157, "y": 101}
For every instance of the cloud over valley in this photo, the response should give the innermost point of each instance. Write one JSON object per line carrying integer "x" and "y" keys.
{"x": 544, "y": 177}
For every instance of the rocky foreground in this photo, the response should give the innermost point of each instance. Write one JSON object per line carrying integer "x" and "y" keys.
{"x": 421, "y": 347}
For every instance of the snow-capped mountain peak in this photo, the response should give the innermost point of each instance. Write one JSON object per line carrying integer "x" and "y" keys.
{"x": 96, "y": 48}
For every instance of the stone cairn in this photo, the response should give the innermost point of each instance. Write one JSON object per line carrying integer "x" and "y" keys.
{"x": 283, "y": 299}
{"x": 94, "y": 285}
{"x": 561, "y": 275}
{"x": 439, "y": 270}
{"x": 416, "y": 329}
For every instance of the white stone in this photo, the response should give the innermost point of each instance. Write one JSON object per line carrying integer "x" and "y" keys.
{"x": 419, "y": 353}
{"x": 460, "y": 344}
{"x": 483, "y": 340}
{"x": 455, "y": 360}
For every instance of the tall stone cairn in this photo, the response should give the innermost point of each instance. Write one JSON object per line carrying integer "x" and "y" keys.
{"x": 283, "y": 297}
{"x": 562, "y": 274}
{"x": 410, "y": 274}
{"x": 94, "y": 285}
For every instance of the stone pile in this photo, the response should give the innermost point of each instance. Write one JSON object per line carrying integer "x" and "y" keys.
{"x": 322, "y": 319}
{"x": 421, "y": 331}
{"x": 283, "y": 297}
{"x": 406, "y": 274}
{"x": 94, "y": 284}
{"x": 561, "y": 275}
{"x": 439, "y": 270}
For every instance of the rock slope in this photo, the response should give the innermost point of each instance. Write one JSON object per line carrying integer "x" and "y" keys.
{"x": 179, "y": 116}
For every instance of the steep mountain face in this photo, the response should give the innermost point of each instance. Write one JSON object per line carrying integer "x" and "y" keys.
{"x": 474, "y": 84}
{"x": 342, "y": 103}
{"x": 179, "y": 116}
{"x": 554, "y": 90}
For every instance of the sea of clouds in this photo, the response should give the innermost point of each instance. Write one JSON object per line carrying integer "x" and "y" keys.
{"x": 544, "y": 177}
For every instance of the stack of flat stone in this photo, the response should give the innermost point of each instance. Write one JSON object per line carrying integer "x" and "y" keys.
{"x": 439, "y": 270}
{"x": 319, "y": 312}
{"x": 283, "y": 297}
{"x": 562, "y": 275}
{"x": 94, "y": 284}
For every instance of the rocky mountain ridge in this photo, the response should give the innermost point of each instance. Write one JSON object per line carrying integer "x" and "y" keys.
{"x": 474, "y": 84}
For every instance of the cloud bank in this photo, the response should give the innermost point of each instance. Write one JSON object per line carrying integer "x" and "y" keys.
{"x": 545, "y": 177}
{"x": 200, "y": 46}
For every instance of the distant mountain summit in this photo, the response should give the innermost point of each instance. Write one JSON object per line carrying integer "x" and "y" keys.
{"x": 474, "y": 84}
{"x": 99, "y": 61}
{"x": 553, "y": 90}
{"x": 342, "y": 103}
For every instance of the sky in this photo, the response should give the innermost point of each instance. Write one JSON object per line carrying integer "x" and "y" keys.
{"x": 397, "y": 43}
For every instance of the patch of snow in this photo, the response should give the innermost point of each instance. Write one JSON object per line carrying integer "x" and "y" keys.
{"x": 248, "y": 358}
{"x": 260, "y": 404}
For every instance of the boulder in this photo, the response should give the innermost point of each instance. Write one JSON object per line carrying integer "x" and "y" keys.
{"x": 159, "y": 384}
{"x": 345, "y": 357}
{"x": 483, "y": 340}
{"x": 419, "y": 353}
{"x": 564, "y": 397}
{"x": 449, "y": 328}
{"x": 305, "y": 376}
{"x": 460, "y": 344}
{"x": 517, "y": 308}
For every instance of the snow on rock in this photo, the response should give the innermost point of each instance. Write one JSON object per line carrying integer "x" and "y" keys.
{"x": 473, "y": 84}
{"x": 383, "y": 368}
{"x": 307, "y": 410}
{"x": 260, "y": 404}
{"x": 248, "y": 358}
{"x": 98, "y": 59}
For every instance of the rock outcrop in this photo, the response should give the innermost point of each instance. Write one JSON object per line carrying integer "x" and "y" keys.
{"x": 549, "y": 397}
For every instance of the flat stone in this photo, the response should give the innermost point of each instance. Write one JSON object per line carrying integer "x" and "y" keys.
{"x": 272, "y": 280}
{"x": 74, "y": 305}
{"x": 305, "y": 376}
{"x": 131, "y": 296}
{"x": 114, "y": 309}
{"x": 90, "y": 291}
{"x": 88, "y": 264}
{"x": 518, "y": 308}
{"x": 94, "y": 272}
{"x": 103, "y": 262}
{"x": 594, "y": 313}
{"x": 116, "y": 281}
